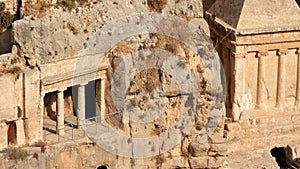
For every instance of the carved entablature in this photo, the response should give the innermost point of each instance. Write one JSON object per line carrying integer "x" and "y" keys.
{"x": 239, "y": 55}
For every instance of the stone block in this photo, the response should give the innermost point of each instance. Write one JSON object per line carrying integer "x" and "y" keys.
{"x": 247, "y": 123}
{"x": 32, "y": 105}
{"x": 235, "y": 127}
{"x": 175, "y": 162}
{"x": 198, "y": 162}
{"x": 296, "y": 118}
{"x": 220, "y": 149}
{"x": 11, "y": 92}
{"x": 216, "y": 162}
{"x": 197, "y": 149}
{"x": 215, "y": 139}
{"x": 21, "y": 139}
{"x": 233, "y": 130}
{"x": 3, "y": 138}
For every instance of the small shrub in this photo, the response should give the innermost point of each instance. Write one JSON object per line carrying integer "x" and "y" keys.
{"x": 2, "y": 6}
{"x": 37, "y": 9}
{"x": 82, "y": 2}
{"x": 72, "y": 28}
{"x": 6, "y": 19}
{"x": 160, "y": 159}
{"x": 157, "y": 5}
{"x": 41, "y": 144}
{"x": 69, "y": 4}
{"x": 36, "y": 156}
{"x": 203, "y": 84}
{"x": 14, "y": 153}
{"x": 15, "y": 70}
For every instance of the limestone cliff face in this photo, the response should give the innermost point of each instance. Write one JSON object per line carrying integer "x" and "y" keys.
{"x": 60, "y": 33}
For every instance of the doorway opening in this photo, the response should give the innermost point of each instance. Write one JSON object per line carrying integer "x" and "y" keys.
{"x": 12, "y": 133}
{"x": 279, "y": 154}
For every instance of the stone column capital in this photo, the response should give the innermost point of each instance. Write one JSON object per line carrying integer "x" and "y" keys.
{"x": 298, "y": 51}
{"x": 61, "y": 89}
{"x": 281, "y": 52}
{"x": 83, "y": 84}
{"x": 262, "y": 54}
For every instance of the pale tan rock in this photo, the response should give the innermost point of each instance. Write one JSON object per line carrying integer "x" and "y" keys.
{"x": 220, "y": 149}
{"x": 3, "y": 128}
{"x": 197, "y": 149}
{"x": 217, "y": 162}
{"x": 198, "y": 162}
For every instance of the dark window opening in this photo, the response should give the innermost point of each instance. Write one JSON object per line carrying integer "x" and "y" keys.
{"x": 90, "y": 100}
{"x": 279, "y": 154}
{"x": 102, "y": 167}
{"x": 49, "y": 100}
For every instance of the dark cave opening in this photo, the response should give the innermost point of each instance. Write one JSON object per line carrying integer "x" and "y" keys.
{"x": 279, "y": 154}
{"x": 298, "y": 2}
{"x": 102, "y": 167}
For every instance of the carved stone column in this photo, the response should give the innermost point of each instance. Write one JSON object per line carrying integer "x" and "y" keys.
{"x": 261, "y": 94}
{"x": 298, "y": 79}
{"x": 280, "y": 100}
{"x": 42, "y": 108}
{"x": 237, "y": 84}
{"x": 103, "y": 106}
{"x": 60, "y": 113}
{"x": 81, "y": 106}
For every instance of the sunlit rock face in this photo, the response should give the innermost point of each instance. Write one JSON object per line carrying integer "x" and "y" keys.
{"x": 55, "y": 65}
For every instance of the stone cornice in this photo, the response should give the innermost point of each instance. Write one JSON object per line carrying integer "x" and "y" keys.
{"x": 210, "y": 18}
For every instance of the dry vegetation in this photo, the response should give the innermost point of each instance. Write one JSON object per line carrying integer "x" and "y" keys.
{"x": 6, "y": 18}
{"x": 16, "y": 70}
{"x": 14, "y": 153}
{"x": 36, "y": 9}
{"x": 40, "y": 8}
{"x": 157, "y": 5}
